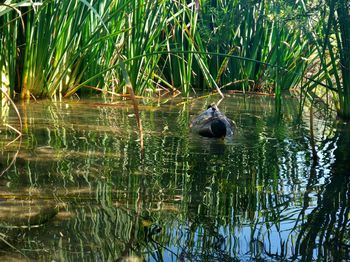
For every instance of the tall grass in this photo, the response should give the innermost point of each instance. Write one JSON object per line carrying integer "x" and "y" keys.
{"x": 9, "y": 22}
{"x": 258, "y": 31}
{"x": 69, "y": 43}
{"x": 342, "y": 34}
{"x": 330, "y": 38}
{"x": 56, "y": 47}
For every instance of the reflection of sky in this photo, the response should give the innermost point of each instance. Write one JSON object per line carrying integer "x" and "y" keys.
{"x": 263, "y": 239}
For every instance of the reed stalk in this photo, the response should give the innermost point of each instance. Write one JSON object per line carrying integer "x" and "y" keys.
{"x": 343, "y": 42}
{"x": 53, "y": 48}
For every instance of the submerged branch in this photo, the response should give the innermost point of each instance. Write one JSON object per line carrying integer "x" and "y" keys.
{"x": 14, "y": 129}
{"x": 19, "y": 132}
{"x": 3, "y": 239}
{"x": 15, "y": 155}
{"x": 17, "y": 112}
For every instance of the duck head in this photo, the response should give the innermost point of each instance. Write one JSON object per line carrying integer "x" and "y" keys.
{"x": 218, "y": 128}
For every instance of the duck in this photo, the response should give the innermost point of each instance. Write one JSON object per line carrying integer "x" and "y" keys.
{"x": 213, "y": 124}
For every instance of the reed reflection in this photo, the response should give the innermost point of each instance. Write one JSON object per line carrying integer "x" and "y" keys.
{"x": 255, "y": 197}
{"x": 324, "y": 235}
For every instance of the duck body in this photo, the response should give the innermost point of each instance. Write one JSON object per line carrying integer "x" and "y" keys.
{"x": 212, "y": 123}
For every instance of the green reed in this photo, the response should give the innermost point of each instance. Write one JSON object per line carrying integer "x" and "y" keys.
{"x": 273, "y": 53}
{"x": 330, "y": 64}
{"x": 9, "y": 22}
{"x": 342, "y": 35}
{"x": 56, "y": 47}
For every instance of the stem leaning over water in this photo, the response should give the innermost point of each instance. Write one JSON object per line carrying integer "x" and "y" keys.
{"x": 19, "y": 132}
{"x": 135, "y": 104}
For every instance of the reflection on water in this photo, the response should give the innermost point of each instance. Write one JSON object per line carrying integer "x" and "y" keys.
{"x": 189, "y": 198}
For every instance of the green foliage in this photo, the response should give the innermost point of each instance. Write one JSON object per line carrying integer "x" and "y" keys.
{"x": 330, "y": 65}
{"x": 255, "y": 30}
{"x": 342, "y": 33}
{"x": 64, "y": 45}
{"x": 56, "y": 47}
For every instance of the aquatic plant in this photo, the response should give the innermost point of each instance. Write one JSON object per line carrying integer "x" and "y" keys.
{"x": 165, "y": 45}
{"x": 327, "y": 77}
{"x": 337, "y": 26}
{"x": 51, "y": 48}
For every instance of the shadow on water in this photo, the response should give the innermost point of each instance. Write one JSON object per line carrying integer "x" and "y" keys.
{"x": 187, "y": 198}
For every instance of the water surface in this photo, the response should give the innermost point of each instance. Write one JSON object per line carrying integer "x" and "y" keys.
{"x": 259, "y": 196}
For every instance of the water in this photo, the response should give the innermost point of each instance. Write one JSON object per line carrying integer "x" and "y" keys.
{"x": 185, "y": 198}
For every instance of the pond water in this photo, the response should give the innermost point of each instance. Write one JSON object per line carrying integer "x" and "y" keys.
{"x": 259, "y": 196}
